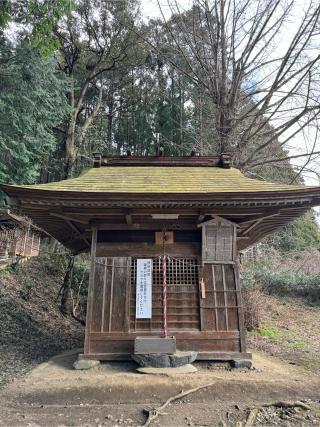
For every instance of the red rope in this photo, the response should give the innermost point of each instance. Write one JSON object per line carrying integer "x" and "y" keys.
{"x": 164, "y": 294}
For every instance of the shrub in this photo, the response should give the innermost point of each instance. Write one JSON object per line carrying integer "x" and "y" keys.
{"x": 252, "y": 308}
{"x": 290, "y": 283}
{"x": 287, "y": 283}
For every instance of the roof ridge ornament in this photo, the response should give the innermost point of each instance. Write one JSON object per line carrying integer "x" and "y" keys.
{"x": 221, "y": 161}
{"x": 97, "y": 157}
{"x": 225, "y": 160}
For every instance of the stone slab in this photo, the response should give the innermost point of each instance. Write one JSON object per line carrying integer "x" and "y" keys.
{"x": 186, "y": 369}
{"x": 83, "y": 364}
{"x": 179, "y": 358}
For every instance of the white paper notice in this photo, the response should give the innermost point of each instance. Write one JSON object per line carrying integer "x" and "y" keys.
{"x": 144, "y": 289}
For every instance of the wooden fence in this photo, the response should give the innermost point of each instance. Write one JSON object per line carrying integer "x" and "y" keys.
{"x": 21, "y": 242}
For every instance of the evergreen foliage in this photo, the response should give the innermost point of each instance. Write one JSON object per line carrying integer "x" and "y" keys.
{"x": 32, "y": 102}
{"x": 41, "y": 16}
{"x": 301, "y": 234}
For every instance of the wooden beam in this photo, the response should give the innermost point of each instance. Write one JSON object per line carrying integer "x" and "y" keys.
{"x": 68, "y": 218}
{"x": 129, "y": 218}
{"x": 246, "y": 231}
{"x": 201, "y": 218}
{"x": 267, "y": 214}
{"x": 98, "y": 211}
{"x": 78, "y": 232}
{"x": 165, "y": 216}
{"x": 170, "y": 225}
{"x": 218, "y": 218}
{"x": 78, "y": 236}
{"x": 142, "y": 249}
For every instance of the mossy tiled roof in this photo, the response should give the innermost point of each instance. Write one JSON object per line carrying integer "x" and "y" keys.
{"x": 145, "y": 179}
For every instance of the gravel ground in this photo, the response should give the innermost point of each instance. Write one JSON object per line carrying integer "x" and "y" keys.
{"x": 114, "y": 394}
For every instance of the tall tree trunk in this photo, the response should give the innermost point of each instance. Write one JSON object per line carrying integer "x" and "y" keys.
{"x": 110, "y": 104}
{"x": 110, "y": 123}
{"x": 70, "y": 149}
{"x": 65, "y": 288}
{"x": 201, "y": 124}
{"x": 181, "y": 96}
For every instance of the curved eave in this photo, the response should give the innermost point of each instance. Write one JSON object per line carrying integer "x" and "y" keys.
{"x": 35, "y": 193}
{"x": 45, "y": 206}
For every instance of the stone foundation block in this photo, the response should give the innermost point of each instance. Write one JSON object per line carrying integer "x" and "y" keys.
{"x": 179, "y": 358}
{"x": 241, "y": 363}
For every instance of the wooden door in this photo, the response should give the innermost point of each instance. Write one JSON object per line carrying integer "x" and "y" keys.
{"x": 220, "y": 308}
{"x": 110, "y": 303}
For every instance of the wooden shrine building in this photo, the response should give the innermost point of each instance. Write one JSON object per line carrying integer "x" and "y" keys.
{"x": 164, "y": 234}
{"x": 19, "y": 238}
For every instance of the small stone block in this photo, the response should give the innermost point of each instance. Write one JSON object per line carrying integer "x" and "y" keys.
{"x": 241, "y": 363}
{"x": 186, "y": 369}
{"x": 154, "y": 345}
{"x": 83, "y": 364}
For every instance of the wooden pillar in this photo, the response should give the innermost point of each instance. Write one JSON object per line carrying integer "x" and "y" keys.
{"x": 25, "y": 241}
{"x": 31, "y": 248}
{"x": 240, "y": 311}
{"x": 90, "y": 290}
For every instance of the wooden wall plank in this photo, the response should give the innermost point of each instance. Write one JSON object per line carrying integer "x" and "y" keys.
{"x": 118, "y": 303}
{"x": 240, "y": 311}
{"x": 209, "y": 319}
{"x": 111, "y": 285}
{"x": 97, "y": 300}
{"x": 108, "y": 280}
{"x": 127, "y": 346}
{"x": 231, "y": 297}
{"x": 90, "y": 291}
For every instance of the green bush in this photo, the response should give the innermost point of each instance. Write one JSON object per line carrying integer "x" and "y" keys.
{"x": 283, "y": 283}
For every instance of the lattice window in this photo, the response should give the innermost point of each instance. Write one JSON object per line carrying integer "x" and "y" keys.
{"x": 182, "y": 296}
{"x": 218, "y": 243}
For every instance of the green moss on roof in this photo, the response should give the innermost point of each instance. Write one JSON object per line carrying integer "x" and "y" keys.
{"x": 145, "y": 179}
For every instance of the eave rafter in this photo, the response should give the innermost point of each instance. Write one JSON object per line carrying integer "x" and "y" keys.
{"x": 257, "y": 221}
{"x": 76, "y": 231}
{"x": 71, "y": 219}
{"x": 68, "y": 218}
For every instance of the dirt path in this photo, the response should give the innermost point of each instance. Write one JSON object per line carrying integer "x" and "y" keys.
{"x": 53, "y": 394}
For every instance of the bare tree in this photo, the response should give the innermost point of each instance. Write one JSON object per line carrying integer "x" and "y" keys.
{"x": 261, "y": 77}
{"x": 95, "y": 41}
